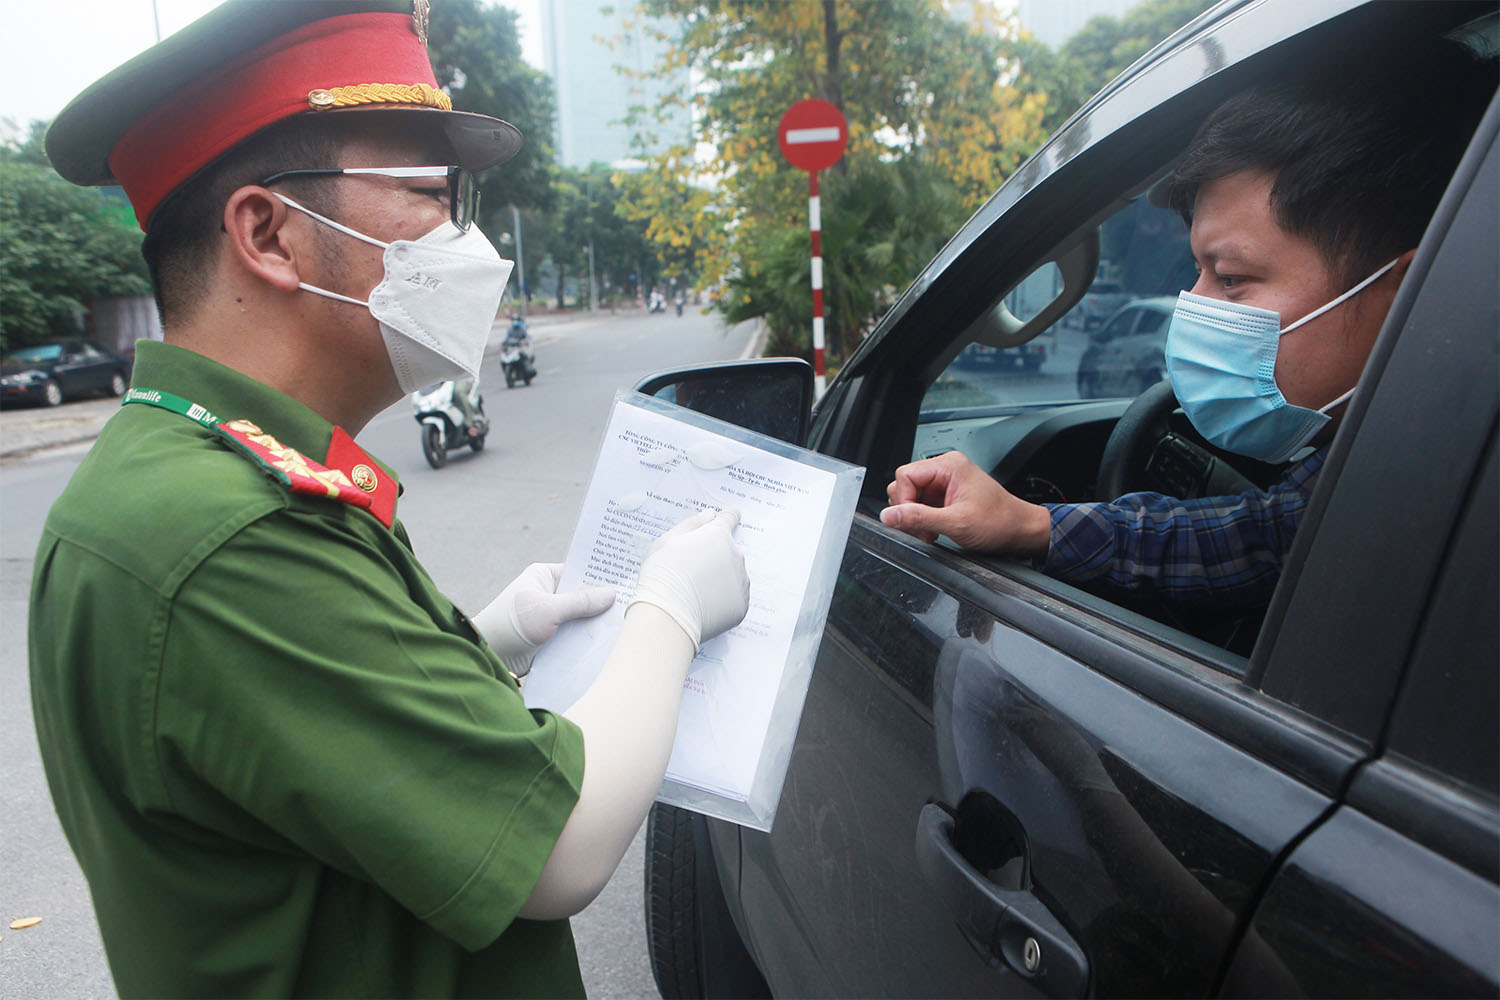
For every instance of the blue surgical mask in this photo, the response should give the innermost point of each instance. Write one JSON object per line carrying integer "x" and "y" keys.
{"x": 1221, "y": 358}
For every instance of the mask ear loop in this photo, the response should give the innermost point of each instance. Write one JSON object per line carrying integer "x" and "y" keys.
{"x": 1323, "y": 309}
{"x": 1341, "y": 299}
{"x": 343, "y": 229}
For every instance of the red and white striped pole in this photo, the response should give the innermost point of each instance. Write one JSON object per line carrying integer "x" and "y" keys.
{"x": 812, "y": 136}
{"x": 815, "y": 224}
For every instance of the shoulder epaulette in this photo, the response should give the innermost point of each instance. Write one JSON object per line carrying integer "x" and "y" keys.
{"x": 290, "y": 467}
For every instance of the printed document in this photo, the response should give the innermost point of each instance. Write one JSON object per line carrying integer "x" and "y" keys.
{"x": 652, "y": 472}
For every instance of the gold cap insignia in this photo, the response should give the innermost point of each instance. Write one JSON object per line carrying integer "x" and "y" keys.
{"x": 364, "y": 478}
{"x": 420, "y": 9}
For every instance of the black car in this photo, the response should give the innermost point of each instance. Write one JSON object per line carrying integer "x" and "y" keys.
{"x": 1006, "y": 785}
{"x": 61, "y": 369}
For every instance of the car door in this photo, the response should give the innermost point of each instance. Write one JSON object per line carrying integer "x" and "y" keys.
{"x": 1395, "y": 890}
{"x": 1003, "y": 785}
{"x": 74, "y": 369}
{"x": 95, "y": 367}
{"x": 1100, "y": 370}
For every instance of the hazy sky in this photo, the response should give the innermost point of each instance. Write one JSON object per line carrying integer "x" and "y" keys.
{"x": 52, "y": 49}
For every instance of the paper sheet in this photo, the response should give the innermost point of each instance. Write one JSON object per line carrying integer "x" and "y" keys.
{"x": 652, "y": 472}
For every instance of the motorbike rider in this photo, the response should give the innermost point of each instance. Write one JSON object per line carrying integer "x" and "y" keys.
{"x": 465, "y": 393}
{"x": 519, "y": 336}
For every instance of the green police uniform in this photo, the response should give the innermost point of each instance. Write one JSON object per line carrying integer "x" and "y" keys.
{"x": 286, "y": 762}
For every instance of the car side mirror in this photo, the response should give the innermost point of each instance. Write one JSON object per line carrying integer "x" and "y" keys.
{"x": 771, "y": 396}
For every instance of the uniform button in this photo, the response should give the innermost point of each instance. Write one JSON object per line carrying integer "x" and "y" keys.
{"x": 320, "y": 98}
{"x": 364, "y": 477}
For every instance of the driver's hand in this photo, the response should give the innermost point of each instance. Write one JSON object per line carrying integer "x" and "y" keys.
{"x": 950, "y": 495}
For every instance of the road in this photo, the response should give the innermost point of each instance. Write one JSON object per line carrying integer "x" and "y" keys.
{"x": 475, "y": 523}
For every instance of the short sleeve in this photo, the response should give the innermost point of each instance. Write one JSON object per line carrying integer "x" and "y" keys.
{"x": 317, "y": 693}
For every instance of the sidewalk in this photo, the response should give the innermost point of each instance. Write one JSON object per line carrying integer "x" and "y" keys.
{"x": 30, "y": 429}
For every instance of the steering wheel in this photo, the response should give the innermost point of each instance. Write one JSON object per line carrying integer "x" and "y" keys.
{"x": 1144, "y": 452}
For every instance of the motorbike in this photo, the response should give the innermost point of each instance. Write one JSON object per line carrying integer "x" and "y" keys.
{"x": 679, "y": 305}
{"x": 516, "y": 356}
{"x": 656, "y": 304}
{"x": 443, "y": 421}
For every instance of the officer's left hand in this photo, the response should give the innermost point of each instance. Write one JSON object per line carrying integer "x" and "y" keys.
{"x": 528, "y": 612}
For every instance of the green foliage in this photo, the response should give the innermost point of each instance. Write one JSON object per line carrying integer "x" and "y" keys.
{"x": 585, "y": 211}
{"x": 917, "y": 87}
{"x": 882, "y": 222}
{"x": 60, "y": 246}
{"x": 476, "y": 55}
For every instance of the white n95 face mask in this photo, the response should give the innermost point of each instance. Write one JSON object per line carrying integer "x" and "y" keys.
{"x": 436, "y": 302}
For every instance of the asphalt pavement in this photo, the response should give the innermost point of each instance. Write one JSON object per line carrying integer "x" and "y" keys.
{"x": 24, "y": 430}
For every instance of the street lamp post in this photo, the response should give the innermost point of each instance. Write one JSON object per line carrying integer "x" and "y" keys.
{"x": 515, "y": 215}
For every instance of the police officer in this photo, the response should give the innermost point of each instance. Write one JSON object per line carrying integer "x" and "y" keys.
{"x": 286, "y": 763}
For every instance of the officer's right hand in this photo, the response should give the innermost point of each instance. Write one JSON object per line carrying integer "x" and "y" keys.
{"x": 696, "y": 574}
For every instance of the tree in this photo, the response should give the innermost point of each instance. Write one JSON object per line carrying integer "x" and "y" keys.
{"x": 584, "y": 215}
{"x": 913, "y": 84}
{"x": 891, "y": 219}
{"x": 476, "y": 55}
{"x": 60, "y": 247}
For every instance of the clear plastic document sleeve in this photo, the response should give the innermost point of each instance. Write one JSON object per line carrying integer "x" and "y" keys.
{"x": 743, "y": 696}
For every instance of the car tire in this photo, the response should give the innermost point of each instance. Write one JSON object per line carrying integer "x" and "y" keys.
{"x": 52, "y": 393}
{"x": 117, "y": 385}
{"x": 694, "y": 948}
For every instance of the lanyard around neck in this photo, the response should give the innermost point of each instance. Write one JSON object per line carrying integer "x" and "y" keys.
{"x": 167, "y": 401}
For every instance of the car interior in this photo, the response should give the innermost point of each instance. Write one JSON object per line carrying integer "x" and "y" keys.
{"x": 1065, "y": 432}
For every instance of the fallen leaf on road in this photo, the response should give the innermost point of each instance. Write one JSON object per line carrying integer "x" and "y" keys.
{"x": 554, "y": 496}
{"x": 24, "y": 922}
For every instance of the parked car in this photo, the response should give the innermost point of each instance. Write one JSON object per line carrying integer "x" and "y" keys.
{"x": 1007, "y": 785}
{"x": 61, "y": 369}
{"x": 1025, "y": 357}
{"x": 1126, "y": 356}
{"x": 1101, "y": 302}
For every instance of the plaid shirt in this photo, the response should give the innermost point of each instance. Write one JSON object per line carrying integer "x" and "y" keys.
{"x": 1221, "y": 551}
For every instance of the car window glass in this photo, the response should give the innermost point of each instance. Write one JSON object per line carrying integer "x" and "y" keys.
{"x": 1152, "y": 321}
{"x": 1143, "y": 261}
{"x": 1014, "y": 411}
{"x": 33, "y": 355}
{"x": 90, "y": 352}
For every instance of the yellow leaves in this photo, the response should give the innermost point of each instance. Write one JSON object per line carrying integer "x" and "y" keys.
{"x": 24, "y": 922}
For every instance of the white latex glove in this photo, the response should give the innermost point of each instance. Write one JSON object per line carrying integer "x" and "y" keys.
{"x": 529, "y": 610}
{"x": 696, "y": 574}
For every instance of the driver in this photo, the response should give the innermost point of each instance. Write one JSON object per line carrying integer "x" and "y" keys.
{"x": 1305, "y": 201}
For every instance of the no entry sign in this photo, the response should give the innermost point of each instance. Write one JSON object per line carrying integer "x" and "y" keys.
{"x": 812, "y": 134}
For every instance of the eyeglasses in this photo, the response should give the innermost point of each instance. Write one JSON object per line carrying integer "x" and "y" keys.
{"x": 463, "y": 196}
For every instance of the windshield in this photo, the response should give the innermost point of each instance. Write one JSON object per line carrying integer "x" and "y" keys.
{"x": 32, "y": 355}
{"x": 1110, "y": 344}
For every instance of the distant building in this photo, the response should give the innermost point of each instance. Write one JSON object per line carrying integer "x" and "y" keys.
{"x": 1053, "y": 22}
{"x": 593, "y": 98}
